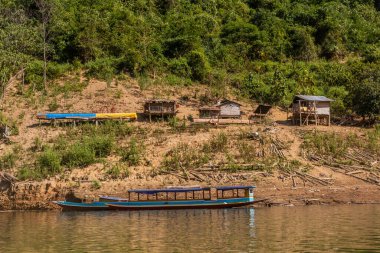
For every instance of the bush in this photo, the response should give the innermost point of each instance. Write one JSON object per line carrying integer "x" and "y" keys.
{"x": 183, "y": 156}
{"x": 103, "y": 68}
{"x": 101, "y": 145}
{"x": 8, "y": 161}
{"x": 330, "y": 144}
{"x": 48, "y": 163}
{"x": 78, "y": 155}
{"x": 53, "y": 106}
{"x": 199, "y": 65}
{"x": 177, "y": 124}
{"x": 219, "y": 142}
{"x": 118, "y": 170}
{"x": 96, "y": 185}
{"x": 37, "y": 145}
{"x": 179, "y": 67}
{"x": 35, "y": 69}
{"x": 132, "y": 155}
{"x": 339, "y": 94}
{"x": 27, "y": 173}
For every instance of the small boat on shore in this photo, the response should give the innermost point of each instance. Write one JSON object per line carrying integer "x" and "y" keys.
{"x": 169, "y": 198}
{"x": 89, "y": 206}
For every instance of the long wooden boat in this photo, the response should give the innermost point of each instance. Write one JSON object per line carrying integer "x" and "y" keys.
{"x": 238, "y": 196}
{"x": 170, "y": 198}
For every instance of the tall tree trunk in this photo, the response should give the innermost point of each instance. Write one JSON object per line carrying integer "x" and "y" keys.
{"x": 45, "y": 64}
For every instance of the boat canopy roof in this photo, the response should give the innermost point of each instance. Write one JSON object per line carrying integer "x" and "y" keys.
{"x": 154, "y": 191}
{"x": 224, "y": 188}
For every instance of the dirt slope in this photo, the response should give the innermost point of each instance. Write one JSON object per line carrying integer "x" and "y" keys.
{"x": 126, "y": 96}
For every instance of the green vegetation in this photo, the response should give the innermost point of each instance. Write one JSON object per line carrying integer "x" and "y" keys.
{"x": 118, "y": 170}
{"x": 184, "y": 156}
{"x": 336, "y": 145}
{"x": 96, "y": 185}
{"x": 78, "y": 155}
{"x": 269, "y": 50}
{"x": 48, "y": 163}
{"x": 8, "y": 161}
{"x": 133, "y": 153}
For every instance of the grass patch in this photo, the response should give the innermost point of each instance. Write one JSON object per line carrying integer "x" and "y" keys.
{"x": 110, "y": 128}
{"x": 330, "y": 144}
{"x": 28, "y": 173}
{"x": 177, "y": 125}
{"x": 48, "y": 163}
{"x": 96, "y": 185}
{"x": 101, "y": 145}
{"x": 119, "y": 170}
{"x": 8, "y": 161}
{"x": 183, "y": 156}
{"x": 53, "y": 105}
{"x": 373, "y": 136}
{"x": 217, "y": 143}
{"x": 37, "y": 145}
{"x": 71, "y": 86}
{"x": 78, "y": 155}
{"x": 133, "y": 153}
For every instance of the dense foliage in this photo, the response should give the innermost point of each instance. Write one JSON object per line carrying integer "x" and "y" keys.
{"x": 268, "y": 49}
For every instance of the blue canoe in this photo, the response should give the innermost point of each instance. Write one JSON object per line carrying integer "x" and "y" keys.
{"x": 92, "y": 206}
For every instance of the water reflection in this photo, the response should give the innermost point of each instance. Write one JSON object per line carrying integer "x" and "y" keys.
{"x": 301, "y": 229}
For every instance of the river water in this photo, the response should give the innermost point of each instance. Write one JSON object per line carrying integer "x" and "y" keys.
{"x": 354, "y": 228}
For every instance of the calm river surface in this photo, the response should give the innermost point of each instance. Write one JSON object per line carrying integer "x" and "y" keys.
{"x": 280, "y": 229}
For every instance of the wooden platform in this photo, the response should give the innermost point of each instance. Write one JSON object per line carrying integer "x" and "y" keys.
{"x": 223, "y": 121}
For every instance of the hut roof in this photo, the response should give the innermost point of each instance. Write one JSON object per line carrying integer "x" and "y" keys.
{"x": 226, "y": 101}
{"x": 312, "y": 98}
{"x": 263, "y": 109}
{"x": 209, "y": 108}
{"x": 159, "y": 101}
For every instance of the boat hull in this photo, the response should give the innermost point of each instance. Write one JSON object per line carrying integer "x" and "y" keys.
{"x": 170, "y": 205}
{"x": 73, "y": 206}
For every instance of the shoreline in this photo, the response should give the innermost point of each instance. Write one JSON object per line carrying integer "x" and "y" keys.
{"x": 274, "y": 196}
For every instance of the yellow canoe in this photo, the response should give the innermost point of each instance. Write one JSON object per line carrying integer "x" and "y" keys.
{"x": 131, "y": 115}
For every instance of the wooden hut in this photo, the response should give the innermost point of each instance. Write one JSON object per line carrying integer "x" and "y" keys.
{"x": 229, "y": 109}
{"x": 160, "y": 108}
{"x": 261, "y": 111}
{"x": 223, "y": 109}
{"x": 311, "y": 109}
{"x": 209, "y": 112}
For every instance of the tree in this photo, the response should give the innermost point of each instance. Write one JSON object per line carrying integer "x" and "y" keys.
{"x": 45, "y": 8}
{"x": 366, "y": 99}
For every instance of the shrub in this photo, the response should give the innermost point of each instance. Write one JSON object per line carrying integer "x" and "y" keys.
{"x": 68, "y": 87}
{"x": 132, "y": 155}
{"x": 78, "y": 155}
{"x": 374, "y": 139}
{"x": 199, "y": 65}
{"x": 101, "y": 145}
{"x": 96, "y": 185}
{"x": 53, "y": 106}
{"x": 184, "y": 157}
{"x": 103, "y": 68}
{"x": 48, "y": 163}
{"x": 27, "y": 173}
{"x": 37, "y": 145}
{"x": 330, "y": 144}
{"x": 8, "y": 161}
{"x": 219, "y": 142}
{"x": 177, "y": 124}
{"x": 118, "y": 170}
